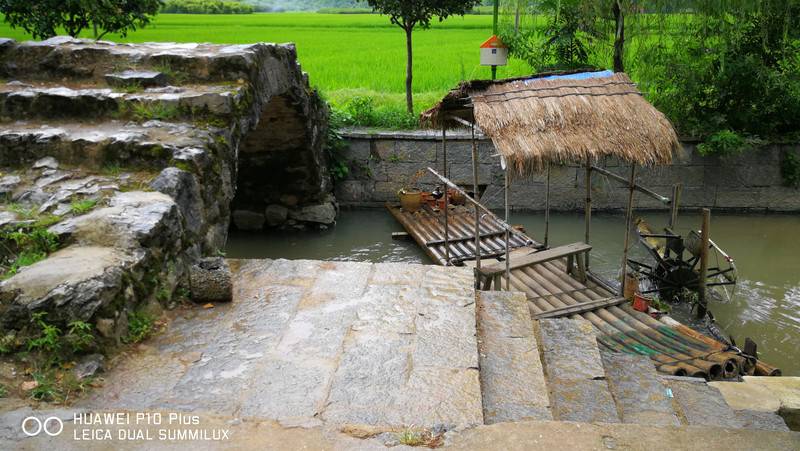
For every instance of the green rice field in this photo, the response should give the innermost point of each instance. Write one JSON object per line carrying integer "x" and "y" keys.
{"x": 345, "y": 54}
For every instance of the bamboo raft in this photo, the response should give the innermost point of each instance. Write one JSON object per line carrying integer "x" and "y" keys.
{"x": 427, "y": 228}
{"x": 557, "y": 283}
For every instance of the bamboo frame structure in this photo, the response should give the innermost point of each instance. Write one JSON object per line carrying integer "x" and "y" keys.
{"x": 547, "y": 209}
{"x": 628, "y": 225}
{"x": 476, "y": 193}
{"x": 588, "y": 206}
{"x": 446, "y": 199}
{"x": 701, "y": 289}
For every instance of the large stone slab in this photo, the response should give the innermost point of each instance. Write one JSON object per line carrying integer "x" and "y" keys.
{"x": 512, "y": 377}
{"x": 640, "y": 394}
{"x": 702, "y": 405}
{"x": 570, "y": 349}
{"x": 308, "y": 341}
{"x": 575, "y": 374}
{"x": 779, "y": 395}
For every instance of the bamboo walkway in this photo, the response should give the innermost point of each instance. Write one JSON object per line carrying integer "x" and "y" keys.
{"x": 555, "y": 287}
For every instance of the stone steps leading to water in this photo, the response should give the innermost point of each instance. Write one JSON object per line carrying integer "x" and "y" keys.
{"x": 604, "y": 387}
{"x": 512, "y": 378}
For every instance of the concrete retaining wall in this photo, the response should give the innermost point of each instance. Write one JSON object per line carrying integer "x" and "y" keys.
{"x": 383, "y": 162}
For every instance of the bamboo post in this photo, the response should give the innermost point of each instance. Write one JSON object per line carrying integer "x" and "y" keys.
{"x": 476, "y": 194}
{"x": 508, "y": 257}
{"x": 547, "y": 208}
{"x": 628, "y": 225}
{"x": 676, "y": 200}
{"x": 701, "y": 283}
{"x": 588, "y": 207}
{"x": 446, "y": 199}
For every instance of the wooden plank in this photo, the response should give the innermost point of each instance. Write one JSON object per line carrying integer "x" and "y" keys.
{"x": 400, "y": 235}
{"x": 538, "y": 257}
{"x": 583, "y": 307}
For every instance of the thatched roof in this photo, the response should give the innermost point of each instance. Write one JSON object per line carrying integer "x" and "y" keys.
{"x": 560, "y": 118}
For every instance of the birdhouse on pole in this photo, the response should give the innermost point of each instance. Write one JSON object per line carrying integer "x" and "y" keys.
{"x": 494, "y": 52}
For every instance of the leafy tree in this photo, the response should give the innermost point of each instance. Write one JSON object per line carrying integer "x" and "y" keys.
{"x": 408, "y": 14}
{"x": 43, "y": 18}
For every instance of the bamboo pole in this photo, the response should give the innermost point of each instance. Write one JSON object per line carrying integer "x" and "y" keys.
{"x": 547, "y": 208}
{"x": 446, "y": 199}
{"x": 701, "y": 283}
{"x": 676, "y": 200}
{"x": 477, "y": 198}
{"x": 508, "y": 256}
{"x": 588, "y": 207}
{"x": 628, "y": 225}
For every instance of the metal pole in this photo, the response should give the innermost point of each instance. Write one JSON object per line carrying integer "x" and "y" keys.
{"x": 588, "y": 207}
{"x": 446, "y": 199}
{"x": 508, "y": 257}
{"x": 476, "y": 194}
{"x": 701, "y": 285}
{"x": 628, "y": 225}
{"x": 676, "y": 200}
{"x": 547, "y": 208}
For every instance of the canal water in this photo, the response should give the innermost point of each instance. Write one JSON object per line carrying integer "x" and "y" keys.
{"x": 766, "y": 249}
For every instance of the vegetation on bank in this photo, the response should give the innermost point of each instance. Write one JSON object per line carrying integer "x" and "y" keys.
{"x": 206, "y": 7}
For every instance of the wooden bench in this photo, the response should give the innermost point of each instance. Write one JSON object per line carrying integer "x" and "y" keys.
{"x": 576, "y": 254}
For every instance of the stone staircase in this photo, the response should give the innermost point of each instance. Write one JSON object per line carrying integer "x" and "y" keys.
{"x": 582, "y": 383}
{"x": 161, "y": 143}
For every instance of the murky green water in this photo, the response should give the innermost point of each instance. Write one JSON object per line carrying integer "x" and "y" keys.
{"x": 765, "y": 306}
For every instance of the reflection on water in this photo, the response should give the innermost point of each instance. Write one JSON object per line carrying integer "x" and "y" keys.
{"x": 766, "y": 305}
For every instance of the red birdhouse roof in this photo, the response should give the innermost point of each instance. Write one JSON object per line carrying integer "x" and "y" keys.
{"x": 493, "y": 43}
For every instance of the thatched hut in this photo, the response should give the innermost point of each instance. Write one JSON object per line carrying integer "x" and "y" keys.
{"x": 559, "y": 118}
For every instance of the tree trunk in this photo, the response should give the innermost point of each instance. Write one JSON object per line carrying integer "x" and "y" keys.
{"x": 619, "y": 38}
{"x": 409, "y": 71}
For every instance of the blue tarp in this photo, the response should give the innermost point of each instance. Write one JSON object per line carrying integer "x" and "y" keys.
{"x": 578, "y": 76}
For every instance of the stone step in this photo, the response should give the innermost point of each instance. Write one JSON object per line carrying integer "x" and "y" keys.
{"x": 699, "y": 404}
{"x": 48, "y": 101}
{"x": 511, "y": 374}
{"x": 84, "y": 59}
{"x": 99, "y": 145}
{"x": 575, "y": 373}
{"x": 640, "y": 394}
{"x": 770, "y": 396}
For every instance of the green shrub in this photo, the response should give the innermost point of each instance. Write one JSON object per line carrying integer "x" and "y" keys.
{"x": 49, "y": 338}
{"x": 206, "y": 7}
{"x": 24, "y": 247}
{"x": 80, "y": 336}
{"x": 83, "y": 206}
{"x": 3, "y": 391}
{"x": 140, "y": 326}
{"x": 725, "y": 143}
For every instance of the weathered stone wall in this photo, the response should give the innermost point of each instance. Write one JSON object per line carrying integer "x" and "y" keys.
{"x": 158, "y": 146}
{"x": 383, "y": 162}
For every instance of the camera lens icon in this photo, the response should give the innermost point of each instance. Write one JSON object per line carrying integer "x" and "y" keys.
{"x": 33, "y": 426}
